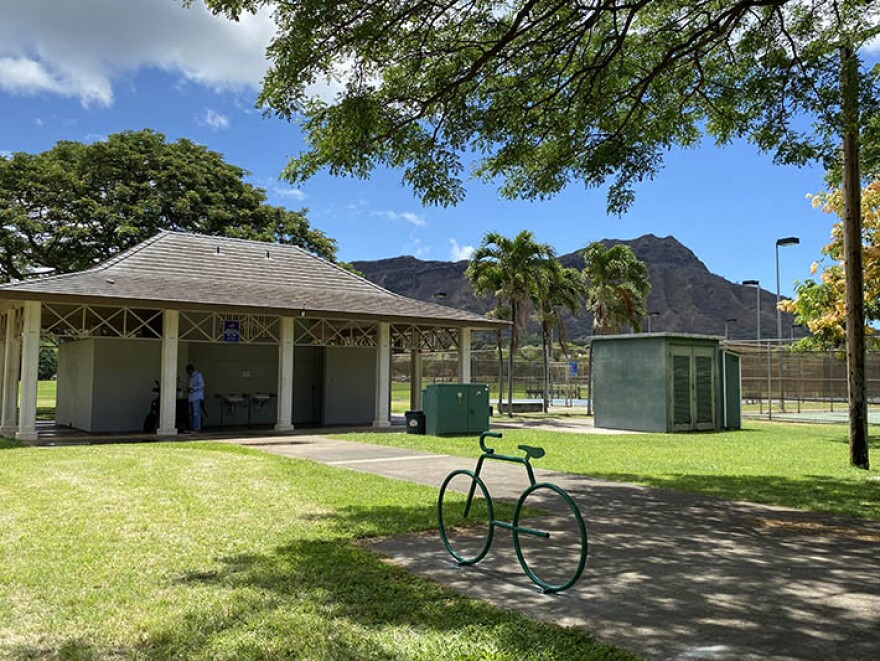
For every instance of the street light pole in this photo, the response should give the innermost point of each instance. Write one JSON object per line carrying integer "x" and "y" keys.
{"x": 757, "y": 285}
{"x": 786, "y": 241}
{"x": 726, "y": 322}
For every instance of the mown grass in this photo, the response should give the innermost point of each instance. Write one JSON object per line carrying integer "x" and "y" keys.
{"x": 212, "y": 551}
{"x": 803, "y": 466}
{"x": 46, "y": 397}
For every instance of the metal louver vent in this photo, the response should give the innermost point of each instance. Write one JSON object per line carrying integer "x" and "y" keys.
{"x": 705, "y": 392}
{"x": 681, "y": 388}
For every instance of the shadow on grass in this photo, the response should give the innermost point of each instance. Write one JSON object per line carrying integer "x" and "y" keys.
{"x": 45, "y": 413}
{"x": 843, "y": 438}
{"x": 364, "y": 593}
{"x": 10, "y": 443}
{"x": 329, "y": 598}
{"x": 819, "y": 493}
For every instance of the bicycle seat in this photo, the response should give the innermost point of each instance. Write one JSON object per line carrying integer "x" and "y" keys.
{"x": 531, "y": 451}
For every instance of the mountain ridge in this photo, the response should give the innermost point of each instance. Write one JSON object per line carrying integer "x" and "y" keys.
{"x": 685, "y": 294}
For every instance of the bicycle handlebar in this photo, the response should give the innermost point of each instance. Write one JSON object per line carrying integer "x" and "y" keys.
{"x": 493, "y": 434}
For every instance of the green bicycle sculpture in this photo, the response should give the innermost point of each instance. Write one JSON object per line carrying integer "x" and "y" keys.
{"x": 553, "y": 556}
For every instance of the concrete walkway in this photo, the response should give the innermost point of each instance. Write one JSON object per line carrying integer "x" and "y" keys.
{"x": 669, "y": 575}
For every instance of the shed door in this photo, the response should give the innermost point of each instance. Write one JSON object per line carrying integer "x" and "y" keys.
{"x": 704, "y": 388}
{"x": 682, "y": 420}
{"x": 693, "y": 388}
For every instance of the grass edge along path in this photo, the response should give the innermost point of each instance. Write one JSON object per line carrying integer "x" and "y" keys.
{"x": 203, "y": 550}
{"x": 794, "y": 465}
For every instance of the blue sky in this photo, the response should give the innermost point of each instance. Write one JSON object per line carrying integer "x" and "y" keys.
{"x": 80, "y": 71}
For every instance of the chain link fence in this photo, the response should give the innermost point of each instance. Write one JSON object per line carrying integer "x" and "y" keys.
{"x": 776, "y": 377}
{"x": 569, "y": 380}
{"x": 779, "y": 378}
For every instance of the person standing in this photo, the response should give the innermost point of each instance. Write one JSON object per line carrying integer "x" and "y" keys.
{"x": 195, "y": 395}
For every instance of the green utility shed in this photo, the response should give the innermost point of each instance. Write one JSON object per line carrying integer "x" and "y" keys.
{"x": 458, "y": 409}
{"x": 665, "y": 382}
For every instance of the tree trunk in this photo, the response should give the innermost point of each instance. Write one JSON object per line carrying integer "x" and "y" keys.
{"x": 546, "y": 375}
{"x": 500, "y": 370}
{"x": 853, "y": 271}
{"x": 510, "y": 362}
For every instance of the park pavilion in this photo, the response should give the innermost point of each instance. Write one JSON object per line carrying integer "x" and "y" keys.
{"x": 280, "y": 334}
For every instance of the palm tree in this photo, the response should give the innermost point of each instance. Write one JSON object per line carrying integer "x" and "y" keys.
{"x": 559, "y": 288}
{"x": 499, "y": 312}
{"x": 508, "y": 269}
{"x": 617, "y": 287}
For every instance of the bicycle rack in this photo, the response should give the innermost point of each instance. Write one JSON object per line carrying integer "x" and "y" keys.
{"x": 476, "y": 482}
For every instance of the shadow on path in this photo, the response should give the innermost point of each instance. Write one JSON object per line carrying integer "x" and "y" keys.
{"x": 671, "y": 573}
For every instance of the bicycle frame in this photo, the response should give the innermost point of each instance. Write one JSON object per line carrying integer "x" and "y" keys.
{"x": 489, "y": 453}
{"x": 572, "y": 515}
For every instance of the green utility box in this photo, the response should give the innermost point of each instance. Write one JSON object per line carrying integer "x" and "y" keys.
{"x": 665, "y": 382}
{"x": 456, "y": 409}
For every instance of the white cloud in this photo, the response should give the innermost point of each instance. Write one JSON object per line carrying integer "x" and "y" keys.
{"x": 214, "y": 120}
{"x": 77, "y": 49}
{"x": 415, "y": 247}
{"x": 5, "y": 153}
{"x": 292, "y": 193}
{"x": 413, "y": 219}
{"x": 458, "y": 253}
{"x": 276, "y": 188}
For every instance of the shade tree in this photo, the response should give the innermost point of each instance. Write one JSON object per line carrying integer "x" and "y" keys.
{"x": 538, "y": 94}
{"x": 74, "y": 205}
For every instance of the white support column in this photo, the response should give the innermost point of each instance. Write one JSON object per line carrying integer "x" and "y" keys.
{"x": 168, "y": 382}
{"x": 11, "y": 365}
{"x": 415, "y": 380}
{"x": 284, "y": 417}
{"x": 383, "y": 376}
{"x": 30, "y": 370}
{"x": 464, "y": 355}
{"x": 3, "y": 344}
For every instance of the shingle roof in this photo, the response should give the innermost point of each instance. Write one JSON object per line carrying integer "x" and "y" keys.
{"x": 177, "y": 269}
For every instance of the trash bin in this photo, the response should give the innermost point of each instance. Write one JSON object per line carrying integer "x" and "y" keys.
{"x": 415, "y": 422}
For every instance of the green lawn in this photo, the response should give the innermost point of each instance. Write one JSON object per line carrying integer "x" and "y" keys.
{"x": 46, "y": 400}
{"x": 803, "y": 466}
{"x": 212, "y": 551}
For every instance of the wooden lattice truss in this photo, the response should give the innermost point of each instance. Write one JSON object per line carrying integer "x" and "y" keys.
{"x": 71, "y": 321}
{"x": 214, "y": 327}
{"x": 61, "y": 321}
{"x": 427, "y": 339}
{"x": 335, "y": 333}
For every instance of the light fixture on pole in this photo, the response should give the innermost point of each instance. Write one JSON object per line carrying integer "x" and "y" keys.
{"x": 651, "y": 314}
{"x": 726, "y": 322}
{"x": 757, "y": 285}
{"x": 785, "y": 241}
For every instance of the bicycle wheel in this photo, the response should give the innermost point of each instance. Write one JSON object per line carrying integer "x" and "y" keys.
{"x": 555, "y": 557}
{"x": 464, "y": 513}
